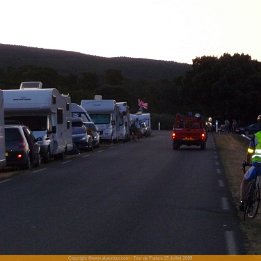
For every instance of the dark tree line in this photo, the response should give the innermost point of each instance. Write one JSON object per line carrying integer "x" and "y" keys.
{"x": 228, "y": 87}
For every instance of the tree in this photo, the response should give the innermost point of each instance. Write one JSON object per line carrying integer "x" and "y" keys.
{"x": 113, "y": 77}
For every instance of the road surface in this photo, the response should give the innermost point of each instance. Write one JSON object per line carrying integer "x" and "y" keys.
{"x": 128, "y": 198}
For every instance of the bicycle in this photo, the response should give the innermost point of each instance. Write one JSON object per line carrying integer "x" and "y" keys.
{"x": 252, "y": 197}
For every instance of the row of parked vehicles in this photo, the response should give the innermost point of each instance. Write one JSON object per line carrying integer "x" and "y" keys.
{"x": 37, "y": 124}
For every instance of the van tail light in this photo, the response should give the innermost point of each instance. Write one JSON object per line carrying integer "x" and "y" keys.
{"x": 173, "y": 135}
{"x": 203, "y": 136}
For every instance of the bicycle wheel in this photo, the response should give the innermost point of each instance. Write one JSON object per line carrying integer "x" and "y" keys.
{"x": 253, "y": 201}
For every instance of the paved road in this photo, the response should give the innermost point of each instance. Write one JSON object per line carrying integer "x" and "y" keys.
{"x": 131, "y": 198}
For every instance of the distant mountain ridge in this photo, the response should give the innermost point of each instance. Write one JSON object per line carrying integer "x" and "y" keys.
{"x": 69, "y": 62}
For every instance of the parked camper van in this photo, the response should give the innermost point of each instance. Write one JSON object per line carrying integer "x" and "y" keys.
{"x": 124, "y": 121}
{"x": 79, "y": 112}
{"x": 143, "y": 118}
{"x": 46, "y": 112}
{"x": 105, "y": 114}
{"x": 2, "y": 132}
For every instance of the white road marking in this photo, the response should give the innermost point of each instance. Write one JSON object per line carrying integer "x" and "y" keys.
{"x": 225, "y": 205}
{"x": 218, "y": 171}
{"x": 217, "y": 163}
{"x": 5, "y": 180}
{"x": 39, "y": 170}
{"x": 221, "y": 183}
{"x": 99, "y": 151}
{"x": 230, "y": 242}
{"x": 65, "y": 162}
{"x": 86, "y": 156}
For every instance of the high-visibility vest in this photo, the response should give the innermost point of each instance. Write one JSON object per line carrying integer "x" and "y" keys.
{"x": 257, "y": 153}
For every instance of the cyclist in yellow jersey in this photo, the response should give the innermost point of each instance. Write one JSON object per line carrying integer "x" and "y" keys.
{"x": 254, "y": 157}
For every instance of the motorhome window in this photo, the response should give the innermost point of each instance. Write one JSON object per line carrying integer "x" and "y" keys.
{"x": 101, "y": 118}
{"x": 77, "y": 123}
{"x": 59, "y": 116}
{"x": 54, "y": 99}
{"x": 34, "y": 123}
{"x": 68, "y": 125}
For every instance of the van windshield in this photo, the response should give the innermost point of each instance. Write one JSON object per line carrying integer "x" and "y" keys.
{"x": 101, "y": 118}
{"x": 35, "y": 123}
{"x": 81, "y": 115}
{"x": 91, "y": 126}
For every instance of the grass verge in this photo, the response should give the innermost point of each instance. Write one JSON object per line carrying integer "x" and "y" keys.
{"x": 232, "y": 151}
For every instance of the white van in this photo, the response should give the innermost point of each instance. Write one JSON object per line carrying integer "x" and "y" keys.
{"x": 2, "y": 132}
{"x": 79, "y": 112}
{"x": 124, "y": 121}
{"x": 46, "y": 112}
{"x": 105, "y": 115}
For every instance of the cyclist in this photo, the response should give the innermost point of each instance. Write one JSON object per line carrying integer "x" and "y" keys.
{"x": 254, "y": 157}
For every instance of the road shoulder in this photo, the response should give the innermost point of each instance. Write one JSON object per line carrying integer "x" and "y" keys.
{"x": 232, "y": 152}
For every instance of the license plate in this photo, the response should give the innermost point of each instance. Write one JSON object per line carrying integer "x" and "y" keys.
{"x": 188, "y": 138}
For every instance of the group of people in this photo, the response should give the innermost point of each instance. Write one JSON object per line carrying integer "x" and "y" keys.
{"x": 253, "y": 159}
{"x": 227, "y": 127}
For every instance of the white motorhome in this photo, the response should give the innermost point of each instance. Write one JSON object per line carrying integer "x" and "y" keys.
{"x": 124, "y": 121}
{"x": 46, "y": 112}
{"x": 142, "y": 117}
{"x": 79, "y": 112}
{"x": 2, "y": 132}
{"x": 105, "y": 115}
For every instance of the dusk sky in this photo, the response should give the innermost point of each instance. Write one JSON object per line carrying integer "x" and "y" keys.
{"x": 173, "y": 30}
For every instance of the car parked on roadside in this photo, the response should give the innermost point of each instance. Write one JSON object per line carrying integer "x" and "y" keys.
{"x": 93, "y": 131}
{"x": 22, "y": 150}
{"x": 80, "y": 137}
{"x": 249, "y": 130}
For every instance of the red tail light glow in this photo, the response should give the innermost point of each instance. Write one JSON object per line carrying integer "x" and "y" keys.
{"x": 19, "y": 156}
{"x": 203, "y": 136}
{"x": 173, "y": 135}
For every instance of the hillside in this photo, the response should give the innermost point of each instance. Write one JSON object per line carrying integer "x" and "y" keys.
{"x": 224, "y": 88}
{"x": 66, "y": 62}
